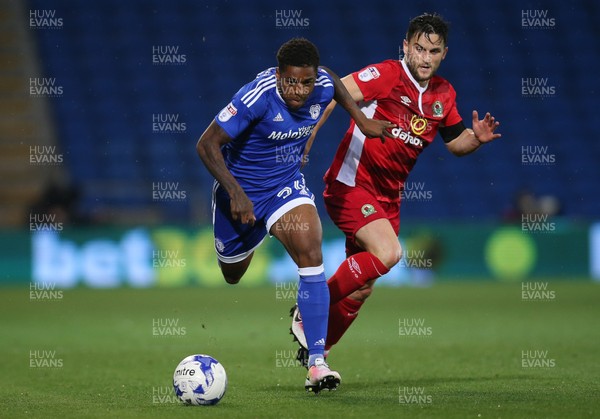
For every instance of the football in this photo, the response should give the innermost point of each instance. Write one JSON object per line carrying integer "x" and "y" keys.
{"x": 200, "y": 380}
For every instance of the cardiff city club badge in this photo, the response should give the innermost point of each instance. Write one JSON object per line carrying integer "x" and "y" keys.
{"x": 315, "y": 111}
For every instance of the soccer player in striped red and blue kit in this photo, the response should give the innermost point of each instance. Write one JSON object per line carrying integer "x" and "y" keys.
{"x": 254, "y": 149}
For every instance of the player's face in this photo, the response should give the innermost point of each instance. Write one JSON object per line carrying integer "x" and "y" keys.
{"x": 423, "y": 55}
{"x": 295, "y": 84}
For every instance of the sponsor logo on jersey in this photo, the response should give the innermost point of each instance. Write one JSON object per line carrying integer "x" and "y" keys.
{"x": 370, "y": 73}
{"x": 227, "y": 112}
{"x": 367, "y": 210}
{"x": 315, "y": 111}
{"x": 406, "y": 137}
{"x": 418, "y": 124}
{"x": 299, "y": 133}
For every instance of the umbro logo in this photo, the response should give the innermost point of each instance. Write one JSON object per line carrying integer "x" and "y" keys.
{"x": 278, "y": 117}
{"x": 320, "y": 342}
{"x": 356, "y": 266}
{"x": 405, "y": 100}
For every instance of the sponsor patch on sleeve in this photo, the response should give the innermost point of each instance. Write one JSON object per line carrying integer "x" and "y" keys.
{"x": 227, "y": 112}
{"x": 369, "y": 73}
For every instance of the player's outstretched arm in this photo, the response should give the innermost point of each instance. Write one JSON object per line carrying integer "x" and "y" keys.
{"x": 372, "y": 128}
{"x": 209, "y": 149}
{"x": 471, "y": 139}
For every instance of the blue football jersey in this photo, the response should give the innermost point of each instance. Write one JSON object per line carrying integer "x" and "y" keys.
{"x": 268, "y": 137}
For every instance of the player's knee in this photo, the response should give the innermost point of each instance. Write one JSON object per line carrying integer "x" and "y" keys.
{"x": 390, "y": 255}
{"x": 311, "y": 257}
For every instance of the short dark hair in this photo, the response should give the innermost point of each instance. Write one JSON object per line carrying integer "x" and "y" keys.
{"x": 428, "y": 24}
{"x": 298, "y": 52}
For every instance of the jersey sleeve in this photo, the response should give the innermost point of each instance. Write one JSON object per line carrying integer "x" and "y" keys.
{"x": 376, "y": 80}
{"x": 325, "y": 80}
{"x": 236, "y": 117}
{"x": 452, "y": 117}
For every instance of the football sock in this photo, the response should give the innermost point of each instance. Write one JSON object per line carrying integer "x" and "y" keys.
{"x": 341, "y": 316}
{"x": 313, "y": 358}
{"x": 313, "y": 303}
{"x": 353, "y": 273}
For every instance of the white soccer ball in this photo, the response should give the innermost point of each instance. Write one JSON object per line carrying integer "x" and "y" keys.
{"x": 200, "y": 380}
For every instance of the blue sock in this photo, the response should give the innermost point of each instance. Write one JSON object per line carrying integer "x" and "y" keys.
{"x": 313, "y": 303}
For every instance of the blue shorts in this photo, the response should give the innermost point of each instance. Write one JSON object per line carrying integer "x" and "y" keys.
{"x": 235, "y": 241}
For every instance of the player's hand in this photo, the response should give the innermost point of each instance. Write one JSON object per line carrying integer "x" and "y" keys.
{"x": 374, "y": 128}
{"x": 242, "y": 209}
{"x": 484, "y": 129}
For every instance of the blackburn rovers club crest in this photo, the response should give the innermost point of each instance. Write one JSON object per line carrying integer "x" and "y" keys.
{"x": 437, "y": 108}
{"x": 367, "y": 210}
{"x": 315, "y": 111}
{"x": 418, "y": 124}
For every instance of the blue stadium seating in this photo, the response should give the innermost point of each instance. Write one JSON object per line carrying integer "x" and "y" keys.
{"x": 103, "y": 58}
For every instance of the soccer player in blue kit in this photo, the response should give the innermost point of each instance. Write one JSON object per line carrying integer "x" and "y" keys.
{"x": 254, "y": 148}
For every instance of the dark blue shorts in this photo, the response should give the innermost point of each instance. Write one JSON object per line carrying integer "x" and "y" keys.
{"x": 235, "y": 241}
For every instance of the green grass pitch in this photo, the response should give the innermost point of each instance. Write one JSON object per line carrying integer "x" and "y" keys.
{"x": 464, "y": 350}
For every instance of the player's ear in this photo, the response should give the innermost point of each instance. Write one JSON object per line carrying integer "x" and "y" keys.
{"x": 445, "y": 52}
{"x": 405, "y": 47}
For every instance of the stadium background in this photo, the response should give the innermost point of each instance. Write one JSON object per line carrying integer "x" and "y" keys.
{"x": 103, "y": 103}
{"x": 94, "y": 195}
